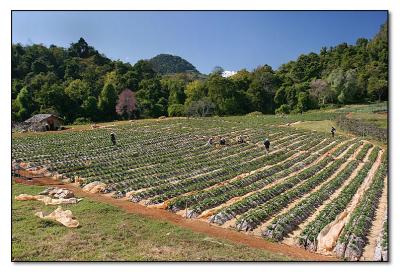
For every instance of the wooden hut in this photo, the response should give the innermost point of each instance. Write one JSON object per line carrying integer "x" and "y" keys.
{"x": 44, "y": 122}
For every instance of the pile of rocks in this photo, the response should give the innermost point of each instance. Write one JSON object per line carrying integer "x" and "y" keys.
{"x": 58, "y": 193}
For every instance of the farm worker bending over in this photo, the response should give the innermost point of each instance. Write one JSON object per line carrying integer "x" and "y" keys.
{"x": 266, "y": 144}
{"x": 209, "y": 142}
{"x": 240, "y": 140}
{"x": 222, "y": 141}
{"x": 333, "y": 131}
{"x": 113, "y": 139}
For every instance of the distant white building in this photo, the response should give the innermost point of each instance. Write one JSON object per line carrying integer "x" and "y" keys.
{"x": 228, "y": 73}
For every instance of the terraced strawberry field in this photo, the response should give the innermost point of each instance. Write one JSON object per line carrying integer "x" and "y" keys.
{"x": 309, "y": 188}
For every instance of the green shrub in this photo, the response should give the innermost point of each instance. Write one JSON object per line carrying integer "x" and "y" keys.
{"x": 284, "y": 108}
{"x": 254, "y": 113}
{"x": 82, "y": 121}
{"x": 176, "y": 110}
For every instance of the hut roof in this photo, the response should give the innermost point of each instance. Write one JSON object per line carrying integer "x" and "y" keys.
{"x": 40, "y": 117}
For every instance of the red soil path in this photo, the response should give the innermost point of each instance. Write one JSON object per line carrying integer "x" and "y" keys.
{"x": 195, "y": 225}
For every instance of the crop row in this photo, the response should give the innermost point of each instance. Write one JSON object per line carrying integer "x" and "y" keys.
{"x": 96, "y": 143}
{"x": 261, "y": 213}
{"x": 180, "y": 202}
{"x": 234, "y": 191}
{"x": 158, "y": 156}
{"x": 354, "y": 236}
{"x": 183, "y": 168}
{"x": 79, "y": 161}
{"x": 308, "y": 237}
{"x": 213, "y": 197}
{"x": 363, "y": 152}
{"x": 257, "y": 200}
{"x": 198, "y": 183}
{"x": 289, "y": 221}
{"x": 212, "y": 176}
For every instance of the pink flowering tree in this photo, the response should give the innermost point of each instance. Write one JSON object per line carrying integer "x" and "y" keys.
{"x": 126, "y": 104}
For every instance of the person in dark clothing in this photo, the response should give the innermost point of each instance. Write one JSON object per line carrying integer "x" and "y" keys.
{"x": 267, "y": 144}
{"x": 333, "y": 131}
{"x": 113, "y": 139}
{"x": 222, "y": 141}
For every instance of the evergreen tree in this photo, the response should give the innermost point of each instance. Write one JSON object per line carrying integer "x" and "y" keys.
{"x": 107, "y": 101}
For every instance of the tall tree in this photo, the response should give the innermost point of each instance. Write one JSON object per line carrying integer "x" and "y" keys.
{"x": 321, "y": 90}
{"x": 152, "y": 98}
{"x": 195, "y": 91}
{"x": 262, "y": 89}
{"x": 377, "y": 88}
{"x": 107, "y": 101}
{"x": 175, "y": 88}
{"x": 24, "y": 104}
{"x": 217, "y": 70}
{"x": 126, "y": 104}
{"x": 81, "y": 49}
{"x": 89, "y": 107}
{"x": 78, "y": 90}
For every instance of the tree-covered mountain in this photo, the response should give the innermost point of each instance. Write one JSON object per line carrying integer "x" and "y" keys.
{"x": 169, "y": 64}
{"x": 78, "y": 83}
{"x": 342, "y": 74}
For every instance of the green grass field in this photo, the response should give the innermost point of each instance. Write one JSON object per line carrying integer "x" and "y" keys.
{"x": 380, "y": 120}
{"x": 109, "y": 234}
{"x": 375, "y": 114}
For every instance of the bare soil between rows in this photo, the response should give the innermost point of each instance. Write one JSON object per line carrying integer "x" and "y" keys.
{"x": 296, "y": 253}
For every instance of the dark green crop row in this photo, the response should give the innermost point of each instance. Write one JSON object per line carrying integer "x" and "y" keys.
{"x": 214, "y": 197}
{"x": 289, "y": 221}
{"x": 233, "y": 167}
{"x": 354, "y": 236}
{"x": 261, "y": 213}
{"x": 265, "y": 195}
{"x": 236, "y": 191}
{"x": 308, "y": 237}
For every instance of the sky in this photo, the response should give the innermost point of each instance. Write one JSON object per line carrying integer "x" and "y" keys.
{"x": 233, "y": 40}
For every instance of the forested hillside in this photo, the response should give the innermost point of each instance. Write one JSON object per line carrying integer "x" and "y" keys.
{"x": 169, "y": 64}
{"x": 80, "y": 84}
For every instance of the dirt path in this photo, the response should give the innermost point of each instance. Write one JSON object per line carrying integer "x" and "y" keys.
{"x": 376, "y": 227}
{"x": 195, "y": 225}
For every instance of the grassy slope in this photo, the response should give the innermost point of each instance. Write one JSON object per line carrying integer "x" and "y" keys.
{"x": 380, "y": 120}
{"x": 364, "y": 113}
{"x": 321, "y": 126}
{"x": 107, "y": 233}
{"x": 368, "y": 113}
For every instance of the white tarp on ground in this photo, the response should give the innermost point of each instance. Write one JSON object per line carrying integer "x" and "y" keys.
{"x": 64, "y": 217}
{"x": 94, "y": 187}
{"x": 48, "y": 200}
{"x": 52, "y": 196}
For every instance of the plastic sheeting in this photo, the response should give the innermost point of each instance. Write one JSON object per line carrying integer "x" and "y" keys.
{"x": 48, "y": 200}
{"x": 64, "y": 217}
{"x": 94, "y": 187}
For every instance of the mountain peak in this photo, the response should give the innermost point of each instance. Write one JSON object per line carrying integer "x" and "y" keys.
{"x": 170, "y": 64}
